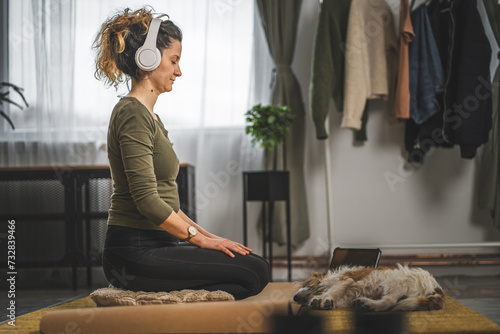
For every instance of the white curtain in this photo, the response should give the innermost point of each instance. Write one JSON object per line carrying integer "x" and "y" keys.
{"x": 41, "y": 57}
{"x": 66, "y": 123}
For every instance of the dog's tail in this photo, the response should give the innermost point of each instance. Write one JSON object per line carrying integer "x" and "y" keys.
{"x": 431, "y": 303}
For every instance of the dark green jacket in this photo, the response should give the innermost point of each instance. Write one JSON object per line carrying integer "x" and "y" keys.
{"x": 327, "y": 72}
{"x": 489, "y": 172}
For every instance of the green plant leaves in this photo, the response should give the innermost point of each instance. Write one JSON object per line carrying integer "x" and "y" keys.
{"x": 268, "y": 125}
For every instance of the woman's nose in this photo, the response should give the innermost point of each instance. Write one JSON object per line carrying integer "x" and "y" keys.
{"x": 178, "y": 71}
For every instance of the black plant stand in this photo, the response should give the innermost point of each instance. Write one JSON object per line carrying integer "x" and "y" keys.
{"x": 268, "y": 186}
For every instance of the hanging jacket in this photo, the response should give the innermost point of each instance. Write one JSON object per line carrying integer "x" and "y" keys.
{"x": 464, "y": 118}
{"x": 466, "y": 54}
{"x": 327, "y": 69}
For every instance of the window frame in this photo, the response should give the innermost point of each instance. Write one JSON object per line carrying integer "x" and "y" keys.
{"x": 4, "y": 53}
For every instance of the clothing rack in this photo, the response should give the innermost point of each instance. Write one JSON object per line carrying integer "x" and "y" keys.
{"x": 329, "y": 206}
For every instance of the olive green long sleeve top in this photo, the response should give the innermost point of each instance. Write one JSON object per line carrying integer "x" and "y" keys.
{"x": 144, "y": 168}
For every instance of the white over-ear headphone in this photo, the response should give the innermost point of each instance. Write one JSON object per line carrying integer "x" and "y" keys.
{"x": 148, "y": 57}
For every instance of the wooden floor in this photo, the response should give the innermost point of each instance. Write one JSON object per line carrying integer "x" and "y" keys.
{"x": 482, "y": 294}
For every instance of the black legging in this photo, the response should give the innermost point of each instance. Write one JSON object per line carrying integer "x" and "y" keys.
{"x": 151, "y": 260}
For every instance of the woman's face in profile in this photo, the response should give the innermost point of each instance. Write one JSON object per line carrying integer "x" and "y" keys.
{"x": 164, "y": 76}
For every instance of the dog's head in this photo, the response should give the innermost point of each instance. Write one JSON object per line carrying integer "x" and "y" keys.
{"x": 309, "y": 288}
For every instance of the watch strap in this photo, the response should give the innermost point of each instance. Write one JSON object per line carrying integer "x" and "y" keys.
{"x": 190, "y": 235}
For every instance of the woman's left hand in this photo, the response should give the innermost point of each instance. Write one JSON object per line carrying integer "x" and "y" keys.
{"x": 226, "y": 246}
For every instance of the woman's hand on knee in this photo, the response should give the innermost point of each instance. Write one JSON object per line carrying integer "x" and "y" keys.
{"x": 226, "y": 246}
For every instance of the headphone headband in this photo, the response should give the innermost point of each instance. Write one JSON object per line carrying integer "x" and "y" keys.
{"x": 148, "y": 57}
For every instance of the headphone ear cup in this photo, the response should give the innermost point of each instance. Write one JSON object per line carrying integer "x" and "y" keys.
{"x": 147, "y": 59}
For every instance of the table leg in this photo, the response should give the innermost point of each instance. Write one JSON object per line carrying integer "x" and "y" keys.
{"x": 270, "y": 225}
{"x": 264, "y": 239}
{"x": 245, "y": 236}
{"x": 87, "y": 233}
{"x": 289, "y": 240}
{"x": 70, "y": 210}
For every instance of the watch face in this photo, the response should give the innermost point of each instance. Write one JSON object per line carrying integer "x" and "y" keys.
{"x": 192, "y": 230}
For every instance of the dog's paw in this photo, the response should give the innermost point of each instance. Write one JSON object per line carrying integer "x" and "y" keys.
{"x": 434, "y": 303}
{"x": 327, "y": 304}
{"x": 363, "y": 305}
{"x": 315, "y": 303}
{"x": 318, "y": 303}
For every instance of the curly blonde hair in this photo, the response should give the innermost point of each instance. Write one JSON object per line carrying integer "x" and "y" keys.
{"x": 119, "y": 38}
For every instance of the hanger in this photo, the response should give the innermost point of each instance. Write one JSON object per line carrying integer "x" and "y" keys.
{"x": 412, "y": 5}
{"x": 426, "y": 2}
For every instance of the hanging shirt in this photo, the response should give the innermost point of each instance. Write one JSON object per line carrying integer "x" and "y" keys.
{"x": 426, "y": 71}
{"x": 406, "y": 36}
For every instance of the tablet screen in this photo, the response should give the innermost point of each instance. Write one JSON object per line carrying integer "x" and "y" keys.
{"x": 367, "y": 257}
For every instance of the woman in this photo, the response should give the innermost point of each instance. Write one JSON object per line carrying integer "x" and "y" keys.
{"x": 142, "y": 250}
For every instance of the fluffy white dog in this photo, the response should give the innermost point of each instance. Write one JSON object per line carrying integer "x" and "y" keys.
{"x": 378, "y": 289}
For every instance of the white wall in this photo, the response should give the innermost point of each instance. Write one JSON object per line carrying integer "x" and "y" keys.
{"x": 431, "y": 204}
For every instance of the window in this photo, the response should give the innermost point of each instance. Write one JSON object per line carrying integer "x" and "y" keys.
{"x": 216, "y": 64}
{"x": 66, "y": 123}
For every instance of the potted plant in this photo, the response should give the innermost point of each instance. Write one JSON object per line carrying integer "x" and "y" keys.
{"x": 268, "y": 125}
{"x": 4, "y": 98}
